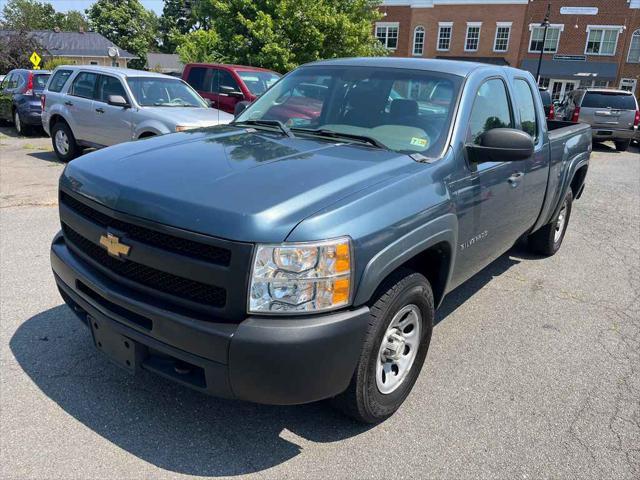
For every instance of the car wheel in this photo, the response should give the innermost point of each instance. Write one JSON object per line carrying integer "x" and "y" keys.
{"x": 622, "y": 145}
{"x": 64, "y": 143}
{"x": 394, "y": 350}
{"x": 548, "y": 239}
{"x": 20, "y": 127}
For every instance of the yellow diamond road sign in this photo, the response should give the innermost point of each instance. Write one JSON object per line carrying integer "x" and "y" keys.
{"x": 35, "y": 60}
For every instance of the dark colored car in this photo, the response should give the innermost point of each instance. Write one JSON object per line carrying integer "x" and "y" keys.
{"x": 547, "y": 102}
{"x": 20, "y": 98}
{"x": 226, "y": 85}
{"x": 290, "y": 260}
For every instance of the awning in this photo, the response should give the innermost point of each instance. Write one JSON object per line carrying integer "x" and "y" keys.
{"x": 571, "y": 69}
{"x": 491, "y": 60}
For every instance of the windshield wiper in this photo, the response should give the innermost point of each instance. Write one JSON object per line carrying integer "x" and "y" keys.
{"x": 270, "y": 123}
{"x": 333, "y": 134}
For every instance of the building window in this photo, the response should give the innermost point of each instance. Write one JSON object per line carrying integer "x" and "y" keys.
{"x": 473, "y": 37}
{"x": 501, "y": 42}
{"x": 634, "y": 48}
{"x": 543, "y": 82}
{"x": 93, "y": 63}
{"x": 387, "y": 33}
{"x": 418, "y": 41}
{"x": 444, "y": 36}
{"x": 602, "y": 41}
{"x": 628, "y": 84}
{"x": 551, "y": 42}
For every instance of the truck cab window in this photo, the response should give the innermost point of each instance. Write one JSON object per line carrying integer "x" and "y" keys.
{"x": 527, "y": 107}
{"x": 109, "y": 86}
{"x": 84, "y": 85}
{"x": 490, "y": 110}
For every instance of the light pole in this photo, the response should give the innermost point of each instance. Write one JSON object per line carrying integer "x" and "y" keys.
{"x": 545, "y": 24}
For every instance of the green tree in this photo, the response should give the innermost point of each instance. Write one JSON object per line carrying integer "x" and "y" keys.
{"x": 15, "y": 49}
{"x": 127, "y": 24}
{"x": 284, "y": 34}
{"x": 176, "y": 19}
{"x": 33, "y": 15}
{"x": 200, "y": 46}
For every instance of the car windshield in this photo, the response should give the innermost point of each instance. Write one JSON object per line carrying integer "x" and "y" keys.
{"x": 258, "y": 82}
{"x": 402, "y": 110}
{"x": 40, "y": 80}
{"x": 616, "y": 100}
{"x": 164, "y": 92}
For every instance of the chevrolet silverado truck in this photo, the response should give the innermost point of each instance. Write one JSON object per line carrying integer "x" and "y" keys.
{"x": 287, "y": 257}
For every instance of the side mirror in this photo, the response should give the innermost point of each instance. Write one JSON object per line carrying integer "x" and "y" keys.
{"x": 240, "y": 107}
{"x": 501, "y": 145}
{"x": 117, "y": 101}
{"x": 231, "y": 92}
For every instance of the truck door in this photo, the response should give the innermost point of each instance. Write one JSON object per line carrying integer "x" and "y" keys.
{"x": 488, "y": 196}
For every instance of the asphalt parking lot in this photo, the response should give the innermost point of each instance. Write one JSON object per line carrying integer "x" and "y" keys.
{"x": 533, "y": 371}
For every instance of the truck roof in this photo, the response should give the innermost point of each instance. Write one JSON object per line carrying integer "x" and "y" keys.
{"x": 455, "y": 67}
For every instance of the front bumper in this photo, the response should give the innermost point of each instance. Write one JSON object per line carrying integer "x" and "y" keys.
{"x": 280, "y": 361}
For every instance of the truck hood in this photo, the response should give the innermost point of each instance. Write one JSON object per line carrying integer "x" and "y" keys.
{"x": 228, "y": 182}
{"x": 201, "y": 117}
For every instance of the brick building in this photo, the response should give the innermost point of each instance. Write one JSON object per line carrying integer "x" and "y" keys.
{"x": 482, "y": 30}
{"x": 589, "y": 43}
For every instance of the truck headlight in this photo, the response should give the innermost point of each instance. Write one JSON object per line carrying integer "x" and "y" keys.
{"x": 301, "y": 277}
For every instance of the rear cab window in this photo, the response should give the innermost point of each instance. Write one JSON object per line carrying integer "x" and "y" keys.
{"x": 615, "y": 100}
{"x": 58, "y": 80}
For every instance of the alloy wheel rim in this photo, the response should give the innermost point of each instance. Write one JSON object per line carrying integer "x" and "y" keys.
{"x": 62, "y": 142}
{"x": 398, "y": 349}
{"x": 562, "y": 218}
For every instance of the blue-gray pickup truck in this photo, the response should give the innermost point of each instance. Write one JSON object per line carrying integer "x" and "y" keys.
{"x": 299, "y": 253}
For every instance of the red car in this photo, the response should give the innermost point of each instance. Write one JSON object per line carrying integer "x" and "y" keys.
{"x": 226, "y": 85}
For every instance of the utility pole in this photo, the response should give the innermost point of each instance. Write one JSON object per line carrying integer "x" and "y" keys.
{"x": 545, "y": 24}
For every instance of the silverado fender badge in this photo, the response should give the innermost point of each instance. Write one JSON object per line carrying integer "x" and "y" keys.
{"x": 113, "y": 245}
{"x": 473, "y": 240}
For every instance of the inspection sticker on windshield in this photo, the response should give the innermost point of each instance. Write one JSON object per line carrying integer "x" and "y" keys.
{"x": 419, "y": 142}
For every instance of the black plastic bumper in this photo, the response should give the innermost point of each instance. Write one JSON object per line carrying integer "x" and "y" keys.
{"x": 280, "y": 361}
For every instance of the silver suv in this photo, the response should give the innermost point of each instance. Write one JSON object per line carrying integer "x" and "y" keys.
{"x": 612, "y": 114}
{"x": 91, "y": 106}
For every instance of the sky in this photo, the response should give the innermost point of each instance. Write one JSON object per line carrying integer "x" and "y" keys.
{"x": 64, "y": 5}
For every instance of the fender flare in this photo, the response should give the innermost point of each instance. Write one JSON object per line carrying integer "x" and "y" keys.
{"x": 440, "y": 230}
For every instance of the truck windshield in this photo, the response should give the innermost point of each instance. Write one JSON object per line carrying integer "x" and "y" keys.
{"x": 164, "y": 92}
{"x": 258, "y": 82}
{"x": 403, "y": 110}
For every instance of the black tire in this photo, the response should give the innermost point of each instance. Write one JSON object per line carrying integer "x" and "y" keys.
{"x": 73, "y": 150}
{"x": 622, "y": 145}
{"x": 363, "y": 400}
{"x": 544, "y": 241}
{"x": 19, "y": 125}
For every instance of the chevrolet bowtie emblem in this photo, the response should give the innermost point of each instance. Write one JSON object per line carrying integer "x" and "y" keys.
{"x": 113, "y": 245}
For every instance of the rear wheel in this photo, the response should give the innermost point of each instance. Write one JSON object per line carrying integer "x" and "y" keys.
{"x": 64, "y": 143}
{"x": 395, "y": 347}
{"x": 548, "y": 239}
{"x": 622, "y": 145}
{"x": 20, "y": 127}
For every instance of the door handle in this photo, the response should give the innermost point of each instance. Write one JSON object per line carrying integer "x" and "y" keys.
{"x": 515, "y": 178}
{"x": 100, "y": 110}
{"x": 68, "y": 103}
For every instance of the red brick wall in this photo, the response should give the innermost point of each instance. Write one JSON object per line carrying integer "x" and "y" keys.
{"x": 403, "y": 16}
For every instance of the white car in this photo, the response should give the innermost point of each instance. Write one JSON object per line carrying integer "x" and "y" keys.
{"x": 92, "y": 106}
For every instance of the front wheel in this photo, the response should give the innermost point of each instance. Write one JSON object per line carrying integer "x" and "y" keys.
{"x": 64, "y": 143}
{"x": 548, "y": 239}
{"x": 395, "y": 348}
